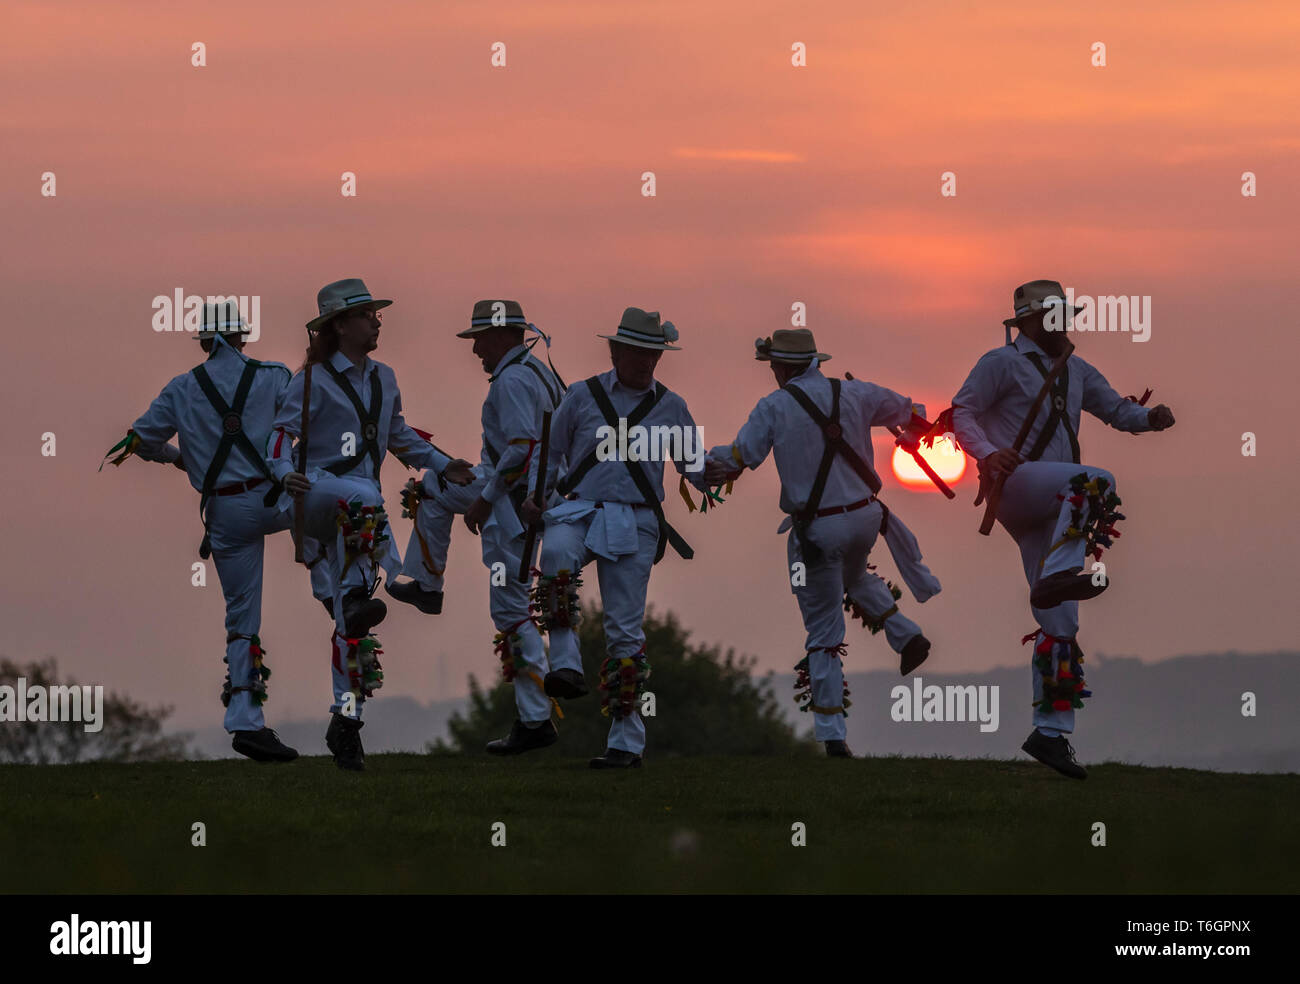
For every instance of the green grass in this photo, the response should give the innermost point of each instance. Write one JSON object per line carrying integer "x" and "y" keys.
{"x": 414, "y": 823}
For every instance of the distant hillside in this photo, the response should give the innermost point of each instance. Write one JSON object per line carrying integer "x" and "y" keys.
{"x": 1182, "y": 712}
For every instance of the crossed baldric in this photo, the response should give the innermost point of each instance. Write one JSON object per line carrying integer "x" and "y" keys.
{"x": 268, "y": 450}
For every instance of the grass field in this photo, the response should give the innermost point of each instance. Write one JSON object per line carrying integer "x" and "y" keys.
{"x": 414, "y": 823}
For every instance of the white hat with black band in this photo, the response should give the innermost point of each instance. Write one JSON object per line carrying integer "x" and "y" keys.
{"x": 643, "y": 329}
{"x": 343, "y": 295}
{"x": 790, "y": 345}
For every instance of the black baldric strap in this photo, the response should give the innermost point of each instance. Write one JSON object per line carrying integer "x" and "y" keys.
{"x": 369, "y": 420}
{"x": 576, "y": 475}
{"x": 232, "y": 436}
{"x": 1057, "y": 415}
{"x": 642, "y": 481}
{"x": 835, "y": 444}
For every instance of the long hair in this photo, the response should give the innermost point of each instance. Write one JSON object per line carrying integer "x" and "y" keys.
{"x": 321, "y": 344}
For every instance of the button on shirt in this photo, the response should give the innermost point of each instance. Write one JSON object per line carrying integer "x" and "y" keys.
{"x": 512, "y": 412}
{"x": 575, "y": 433}
{"x": 333, "y": 415}
{"x": 780, "y": 425}
{"x": 183, "y": 409}
{"x": 992, "y": 404}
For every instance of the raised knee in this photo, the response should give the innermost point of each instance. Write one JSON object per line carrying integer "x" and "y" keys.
{"x": 1103, "y": 473}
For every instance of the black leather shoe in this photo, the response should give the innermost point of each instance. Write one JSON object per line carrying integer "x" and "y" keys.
{"x": 262, "y": 746}
{"x": 616, "y": 758}
{"x": 914, "y": 654}
{"x": 838, "y": 750}
{"x": 361, "y": 613}
{"x": 1062, "y": 586}
{"x": 343, "y": 739}
{"x": 429, "y": 602}
{"x": 565, "y": 683}
{"x": 524, "y": 739}
{"x": 1056, "y": 752}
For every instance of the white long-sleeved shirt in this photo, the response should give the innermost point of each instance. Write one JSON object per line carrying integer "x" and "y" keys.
{"x": 779, "y": 424}
{"x": 332, "y": 416}
{"x": 183, "y": 409}
{"x": 512, "y": 418}
{"x": 992, "y": 404}
{"x": 575, "y": 432}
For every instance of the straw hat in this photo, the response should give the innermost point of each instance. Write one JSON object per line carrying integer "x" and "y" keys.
{"x": 792, "y": 345}
{"x": 642, "y": 329}
{"x": 221, "y": 318}
{"x": 340, "y": 296}
{"x": 488, "y": 314}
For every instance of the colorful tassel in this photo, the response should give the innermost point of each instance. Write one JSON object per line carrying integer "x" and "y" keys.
{"x": 803, "y": 683}
{"x": 365, "y": 674}
{"x": 873, "y": 622}
{"x": 127, "y": 446}
{"x": 1060, "y": 665}
{"x": 709, "y": 497}
{"x": 622, "y": 682}
{"x": 942, "y": 425}
{"x": 554, "y": 600}
{"x": 259, "y": 674}
{"x": 364, "y": 529}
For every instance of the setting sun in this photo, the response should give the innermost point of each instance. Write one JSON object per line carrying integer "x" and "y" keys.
{"x": 947, "y": 462}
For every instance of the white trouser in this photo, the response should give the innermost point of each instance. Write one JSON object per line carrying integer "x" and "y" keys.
{"x": 1034, "y": 510}
{"x": 623, "y": 583}
{"x": 845, "y": 540}
{"x": 320, "y": 525}
{"x": 426, "y": 560}
{"x": 322, "y": 585}
{"x": 237, "y": 526}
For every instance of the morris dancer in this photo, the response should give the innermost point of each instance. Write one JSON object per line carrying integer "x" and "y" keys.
{"x": 819, "y": 430}
{"x": 520, "y": 389}
{"x": 615, "y": 516}
{"x": 338, "y": 486}
{"x": 1058, "y": 511}
{"x": 222, "y": 411}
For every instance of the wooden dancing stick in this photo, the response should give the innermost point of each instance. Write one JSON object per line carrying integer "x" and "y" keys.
{"x": 300, "y": 502}
{"x": 915, "y": 452}
{"x": 539, "y": 498}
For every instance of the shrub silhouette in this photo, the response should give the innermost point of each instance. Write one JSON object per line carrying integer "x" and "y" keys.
{"x": 706, "y": 702}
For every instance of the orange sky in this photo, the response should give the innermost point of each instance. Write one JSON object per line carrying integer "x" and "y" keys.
{"x": 775, "y": 184}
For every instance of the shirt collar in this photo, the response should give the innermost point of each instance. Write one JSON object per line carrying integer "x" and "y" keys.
{"x": 222, "y": 349}
{"x": 611, "y": 382}
{"x": 1024, "y": 343}
{"x": 813, "y": 370}
{"x": 342, "y": 363}
{"x": 808, "y": 375}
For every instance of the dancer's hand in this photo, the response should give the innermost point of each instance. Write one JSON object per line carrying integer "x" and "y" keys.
{"x": 1160, "y": 417}
{"x": 476, "y": 515}
{"x": 715, "y": 472}
{"x": 459, "y": 472}
{"x": 296, "y": 484}
{"x": 530, "y": 513}
{"x": 1002, "y": 462}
